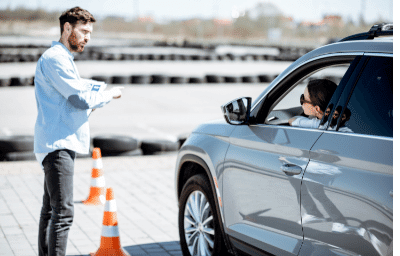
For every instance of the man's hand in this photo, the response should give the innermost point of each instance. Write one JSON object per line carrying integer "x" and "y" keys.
{"x": 117, "y": 92}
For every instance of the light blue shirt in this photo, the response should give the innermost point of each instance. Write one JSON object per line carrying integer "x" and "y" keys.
{"x": 305, "y": 122}
{"x": 313, "y": 123}
{"x": 64, "y": 102}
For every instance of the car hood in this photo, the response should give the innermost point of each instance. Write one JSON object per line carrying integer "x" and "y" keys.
{"x": 216, "y": 128}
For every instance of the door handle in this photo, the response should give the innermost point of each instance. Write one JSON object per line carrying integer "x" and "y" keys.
{"x": 391, "y": 193}
{"x": 291, "y": 169}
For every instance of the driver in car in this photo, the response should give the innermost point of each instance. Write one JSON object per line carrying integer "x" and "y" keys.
{"x": 314, "y": 101}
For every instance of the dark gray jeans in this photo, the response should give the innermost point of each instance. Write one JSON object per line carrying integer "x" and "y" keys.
{"x": 58, "y": 207}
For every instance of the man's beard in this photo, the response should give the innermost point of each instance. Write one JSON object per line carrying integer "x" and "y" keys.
{"x": 324, "y": 120}
{"x": 334, "y": 122}
{"x": 73, "y": 43}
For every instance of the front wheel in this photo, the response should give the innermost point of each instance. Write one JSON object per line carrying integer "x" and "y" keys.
{"x": 199, "y": 230}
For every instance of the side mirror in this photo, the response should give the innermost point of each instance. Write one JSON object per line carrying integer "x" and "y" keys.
{"x": 237, "y": 111}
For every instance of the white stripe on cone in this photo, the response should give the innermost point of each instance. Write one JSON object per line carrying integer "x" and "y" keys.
{"x": 99, "y": 182}
{"x": 98, "y": 164}
{"x": 111, "y": 206}
{"x": 110, "y": 231}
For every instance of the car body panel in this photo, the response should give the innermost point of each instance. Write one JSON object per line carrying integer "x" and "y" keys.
{"x": 260, "y": 200}
{"x": 349, "y": 180}
{"x": 346, "y": 177}
{"x": 199, "y": 145}
{"x": 214, "y": 132}
{"x": 217, "y": 127}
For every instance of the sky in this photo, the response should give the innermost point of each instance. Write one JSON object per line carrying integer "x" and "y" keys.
{"x": 164, "y": 10}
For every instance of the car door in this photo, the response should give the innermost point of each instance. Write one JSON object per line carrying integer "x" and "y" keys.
{"x": 347, "y": 190}
{"x": 262, "y": 176}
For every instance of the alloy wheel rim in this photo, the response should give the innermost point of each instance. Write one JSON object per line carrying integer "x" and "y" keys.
{"x": 199, "y": 225}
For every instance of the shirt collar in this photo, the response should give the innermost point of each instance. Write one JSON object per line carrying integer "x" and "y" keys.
{"x": 54, "y": 43}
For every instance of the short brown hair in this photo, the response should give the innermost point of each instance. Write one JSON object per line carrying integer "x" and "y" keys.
{"x": 74, "y": 15}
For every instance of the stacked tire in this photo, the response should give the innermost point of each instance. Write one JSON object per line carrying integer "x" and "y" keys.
{"x": 151, "y": 147}
{"x": 16, "y": 148}
{"x": 117, "y": 145}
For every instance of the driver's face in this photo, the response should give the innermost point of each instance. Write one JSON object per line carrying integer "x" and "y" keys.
{"x": 308, "y": 108}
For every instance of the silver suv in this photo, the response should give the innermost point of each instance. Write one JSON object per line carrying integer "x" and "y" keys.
{"x": 254, "y": 184}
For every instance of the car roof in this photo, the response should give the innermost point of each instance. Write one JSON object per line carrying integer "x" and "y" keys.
{"x": 383, "y": 45}
{"x": 377, "y": 45}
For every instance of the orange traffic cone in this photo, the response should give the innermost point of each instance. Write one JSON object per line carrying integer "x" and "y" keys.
{"x": 110, "y": 243}
{"x": 97, "y": 184}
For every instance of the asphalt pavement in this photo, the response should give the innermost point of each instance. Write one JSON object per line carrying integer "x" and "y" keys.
{"x": 143, "y": 185}
{"x": 147, "y": 209}
{"x": 143, "y": 111}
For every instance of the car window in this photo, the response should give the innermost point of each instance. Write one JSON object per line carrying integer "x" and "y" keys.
{"x": 370, "y": 108}
{"x": 292, "y": 99}
{"x": 289, "y": 105}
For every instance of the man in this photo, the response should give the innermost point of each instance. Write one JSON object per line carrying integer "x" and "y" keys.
{"x": 64, "y": 102}
{"x": 335, "y": 123}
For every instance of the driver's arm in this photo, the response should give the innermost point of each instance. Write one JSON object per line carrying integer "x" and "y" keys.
{"x": 291, "y": 120}
{"x": 304, "y": 122}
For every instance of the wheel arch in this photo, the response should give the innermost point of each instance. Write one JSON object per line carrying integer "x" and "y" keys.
{"x": 190, "y": 165}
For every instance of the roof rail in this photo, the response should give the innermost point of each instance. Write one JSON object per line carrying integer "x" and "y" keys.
{"x": 383, "y": 29}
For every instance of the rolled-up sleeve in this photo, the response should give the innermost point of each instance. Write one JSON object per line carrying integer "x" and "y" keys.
{"x": 62, "y": 74}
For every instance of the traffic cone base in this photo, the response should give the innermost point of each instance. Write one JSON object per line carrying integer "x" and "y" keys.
{"x": 110, "y": 246}
{"x": 110, "y": 243}
{"x": 96, "y": 196}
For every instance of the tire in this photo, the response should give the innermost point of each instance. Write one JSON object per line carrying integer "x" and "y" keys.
{"x": 247, "y": 58}
{"x": 164, "y": 57}
{"x": 232, "y": 79}
{"x": 196, "y": 80}
{"x": 115, "y": 143}
{"x": 141, "y": 79}
{"x": 4, "y": 82}
{"x": 265, "y": 78}
{"x": 121, "y": 79}
{"x": 196, "y": 57}
{"x": 18, "y": 143}
{"x": 29, "y": 81}
{"x": 214, "y": 79}
{"x": 136, "y": 152}
{"x": 210, "y": 57}
{"x": 208, "y": 234}
{"x": 159, "y": 79}
{"x": 184, "y": 57}
{"x": 18, "y": 156}
{"x": 15, "y": 81}
{"x": 249, "y": 79}
{"x": 21, "y": 81}
{"x": 150, "y": 147}
{"x": 178, "y": 80}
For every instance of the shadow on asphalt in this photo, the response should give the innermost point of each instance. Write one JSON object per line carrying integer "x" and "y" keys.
{"x": 154, "y": 249}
